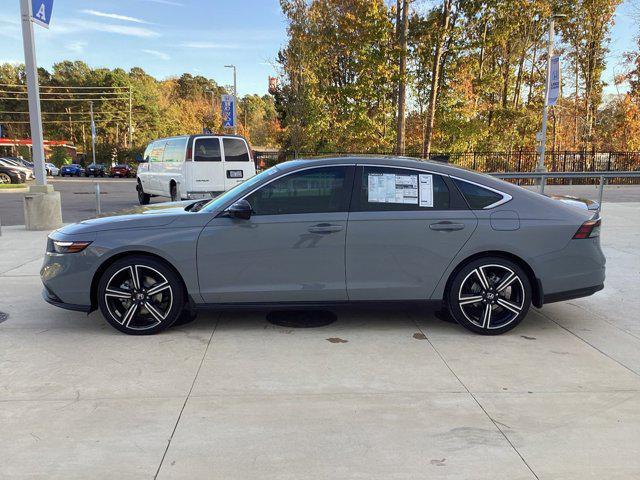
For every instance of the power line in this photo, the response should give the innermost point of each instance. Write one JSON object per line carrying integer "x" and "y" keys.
{"x": 9, "y": 112}
{"x": 124, "y": 120}
{"x": 7, "y": 92}
{"x": 67, "y": 99}
{"x": 56, "y": 86}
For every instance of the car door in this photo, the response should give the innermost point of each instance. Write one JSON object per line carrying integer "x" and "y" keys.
{"x": 237, "y": 162}
{"x": 292, "y": 249}
{"x": 206, "y": 172}
{"x": 405, "y": 227}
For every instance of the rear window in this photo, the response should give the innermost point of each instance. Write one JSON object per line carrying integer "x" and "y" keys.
{"x": 235, "y": 150}
{"x": 476, "y": 196}
{"x": 207, "y": 150}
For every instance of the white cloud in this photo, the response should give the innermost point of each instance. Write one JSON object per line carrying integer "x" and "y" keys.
{"x": 114, "y": 16}
{"x": 210, "y": 45}
{"x": 77, "y": 47}
{"x": 120, "y": 29}
{"x": 156, "y": 53}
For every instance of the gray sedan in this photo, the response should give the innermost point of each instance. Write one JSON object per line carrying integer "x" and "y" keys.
{"x": 321, "y": 233}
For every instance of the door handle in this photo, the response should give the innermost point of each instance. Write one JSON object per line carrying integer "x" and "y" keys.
{"x": 325, "y": 228}
{"x": 446, "y": 226}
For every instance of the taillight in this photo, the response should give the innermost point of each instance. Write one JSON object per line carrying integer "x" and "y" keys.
{"x": 188, "y": 157}
{"x": 589, "y": 229}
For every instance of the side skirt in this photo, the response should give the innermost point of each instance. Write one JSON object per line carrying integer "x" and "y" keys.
{"x": 391, "y": 304}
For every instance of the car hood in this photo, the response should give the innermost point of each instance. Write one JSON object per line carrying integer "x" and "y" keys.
{"x": 148, "y": 216}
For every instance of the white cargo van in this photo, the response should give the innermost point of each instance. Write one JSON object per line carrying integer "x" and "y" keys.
{"x": 193, "y": 166}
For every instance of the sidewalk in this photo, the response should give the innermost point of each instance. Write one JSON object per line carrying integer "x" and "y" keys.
{"x": 403, "y": 395}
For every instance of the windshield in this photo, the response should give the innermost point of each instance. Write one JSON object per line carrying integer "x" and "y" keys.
{"x": 217, "y": 202}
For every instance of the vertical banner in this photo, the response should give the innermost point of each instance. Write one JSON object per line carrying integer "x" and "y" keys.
{"x": 228, "y": 111}
{"x": 555, "y": 80}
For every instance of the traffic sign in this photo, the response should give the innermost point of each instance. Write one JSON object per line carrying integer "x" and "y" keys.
{"x": 41, "y": 11}
{"x": 228, "y": 111}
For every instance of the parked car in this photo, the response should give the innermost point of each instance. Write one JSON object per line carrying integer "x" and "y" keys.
{"x": 330, "y": 232}
{"x": 96, "y": 170}
{"x": 52, "y": 170}
{"x": 72, "y": 170}
{"x": 121, "y": 170}
{"x": 194, "y": 166}
{"x": 11, "y": 175}
{"x": 7, "y": 162}
{"x": 22, "y": 162}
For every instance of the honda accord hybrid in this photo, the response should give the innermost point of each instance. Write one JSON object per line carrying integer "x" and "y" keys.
{"x": 329, "y": 232}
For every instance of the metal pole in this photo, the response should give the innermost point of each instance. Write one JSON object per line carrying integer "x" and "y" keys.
{"x": 33, "y": 90}
{"x": 130, "y": 118}
{"x": 235, "y": 102}
{"x": 543, "y": 132}
{"x": 98, "y": 205}
{"x": 93, "y": 134}
{"x": 600, "y": 193}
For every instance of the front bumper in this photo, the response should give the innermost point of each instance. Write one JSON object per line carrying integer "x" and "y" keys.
{"x": 52, "y": 299}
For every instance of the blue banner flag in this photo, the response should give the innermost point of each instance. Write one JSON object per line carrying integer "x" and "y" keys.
{"x": 228, "y": 111}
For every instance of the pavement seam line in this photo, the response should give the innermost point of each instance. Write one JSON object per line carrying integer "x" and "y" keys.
{"x": 175, "y": 427}
{"x": 495, "y": 424}
{"x": 588, "y": 343}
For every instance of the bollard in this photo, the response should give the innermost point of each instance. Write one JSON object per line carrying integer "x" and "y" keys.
{"x": 98, "y": 206}
{"x": 600, "y": 193}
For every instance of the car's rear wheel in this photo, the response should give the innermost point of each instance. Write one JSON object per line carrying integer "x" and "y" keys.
{"x": 143, "y": 198}
{"x": 139, "y": 295}
{"x": 489, "y": 295}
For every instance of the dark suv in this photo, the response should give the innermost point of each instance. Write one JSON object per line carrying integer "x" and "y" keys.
{"x": 96, "y": 170}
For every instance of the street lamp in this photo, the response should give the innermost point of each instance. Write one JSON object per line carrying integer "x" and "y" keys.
{"x": 235, "y": 98}
{"x": 543, "y": 132}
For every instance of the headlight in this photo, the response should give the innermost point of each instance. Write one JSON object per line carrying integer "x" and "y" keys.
{"x": 59, "y": 246}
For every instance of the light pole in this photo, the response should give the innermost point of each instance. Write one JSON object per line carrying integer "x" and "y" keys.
{"x": 543, "y": 132}
{"x": 235, "y": 99}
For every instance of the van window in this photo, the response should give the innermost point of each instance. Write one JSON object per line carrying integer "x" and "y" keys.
{"x": 156, "y": 151}
{"x": 207, "y": 150}
{"x": 235, "y": 150}
{"x": 147, "y": 152}
{"x": 175, "y": 150}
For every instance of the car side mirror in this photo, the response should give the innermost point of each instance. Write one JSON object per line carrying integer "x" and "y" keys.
{"x": 240, "y": 209}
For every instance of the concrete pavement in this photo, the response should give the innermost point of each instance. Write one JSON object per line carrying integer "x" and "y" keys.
{"x": 379, "y": 394}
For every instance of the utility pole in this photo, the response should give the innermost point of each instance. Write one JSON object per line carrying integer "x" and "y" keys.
{"x": 130, "y": 118}
{"x": 93, "y": 133}
{"x": 402, "y": 88}
{"x": 235, "y": 99}
{"x": 543, "y": 132}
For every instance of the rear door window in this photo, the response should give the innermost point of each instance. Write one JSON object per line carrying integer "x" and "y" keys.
{"x": 207, "y": 150}
{"x": 396, "y": 189}
{"x": 235, "y": 150}
{"x": 476, "y": 196}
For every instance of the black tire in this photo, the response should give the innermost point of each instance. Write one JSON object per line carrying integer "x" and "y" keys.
{"x": 129, "y": 304}
{"x": 489, "y": 295}
{"x": 143, "y": 198}
{"x": 173, "y": 191}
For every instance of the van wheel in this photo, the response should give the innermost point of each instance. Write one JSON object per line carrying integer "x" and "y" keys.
{"x": 143, "y": 198}
{"x": 174, "y": 192}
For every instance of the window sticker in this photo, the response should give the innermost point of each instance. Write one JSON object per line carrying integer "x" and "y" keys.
{"x": 392, "y": 188}
{"x": 426, "y": 190}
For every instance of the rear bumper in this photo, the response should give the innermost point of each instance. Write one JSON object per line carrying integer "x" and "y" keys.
{"x": 571, "y": 294}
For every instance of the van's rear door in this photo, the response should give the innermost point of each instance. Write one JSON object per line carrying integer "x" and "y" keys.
{"x": 207, "y": 173}
{"x": 238, "y": 165}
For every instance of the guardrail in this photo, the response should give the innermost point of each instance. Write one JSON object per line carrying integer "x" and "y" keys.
{"x": 543, "y": 176}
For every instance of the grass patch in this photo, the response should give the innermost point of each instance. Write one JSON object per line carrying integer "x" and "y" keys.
{"x": 12, "y": 186}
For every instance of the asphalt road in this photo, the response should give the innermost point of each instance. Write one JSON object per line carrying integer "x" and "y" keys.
{"x": 79, "y": 203}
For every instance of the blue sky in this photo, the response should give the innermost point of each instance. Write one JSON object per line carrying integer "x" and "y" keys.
{"x": 164, "y": 37}
{"x": 169, "y": 37}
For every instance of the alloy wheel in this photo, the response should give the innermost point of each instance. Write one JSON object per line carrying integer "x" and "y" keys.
{"x": 491, "y": 296}
{"x": 4, "y": 178}
{"x": 138, "y": 297}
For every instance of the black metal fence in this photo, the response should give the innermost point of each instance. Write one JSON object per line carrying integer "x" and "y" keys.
{"x": 516, "y": 161}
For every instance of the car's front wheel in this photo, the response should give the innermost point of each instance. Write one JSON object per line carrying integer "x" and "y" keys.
{"x": 489, "y": 295}
{"x": 140, "y": 295}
